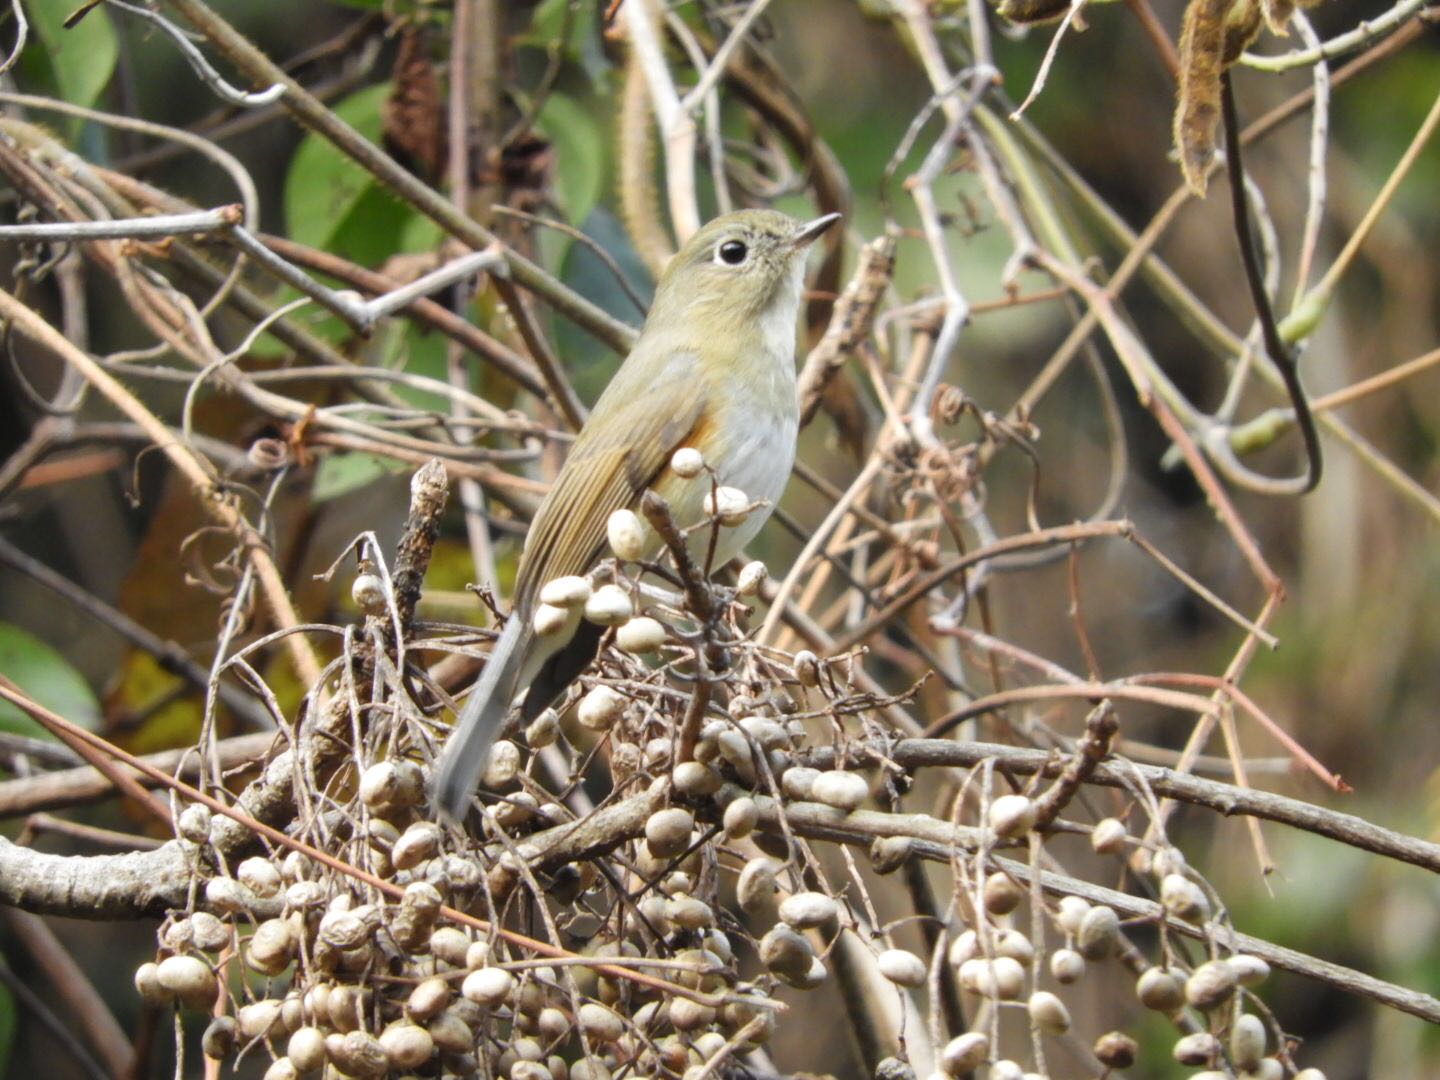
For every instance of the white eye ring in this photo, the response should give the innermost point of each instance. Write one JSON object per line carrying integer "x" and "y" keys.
{"x": 732, "y": 252}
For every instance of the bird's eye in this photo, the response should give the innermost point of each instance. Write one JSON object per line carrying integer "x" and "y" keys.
{"x": 732, "y": 253}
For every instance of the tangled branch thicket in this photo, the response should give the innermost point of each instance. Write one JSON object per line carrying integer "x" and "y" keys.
{"x": 855, "y": 771}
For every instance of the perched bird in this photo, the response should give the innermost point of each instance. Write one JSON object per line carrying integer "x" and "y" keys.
{"x": 713, "y": 369}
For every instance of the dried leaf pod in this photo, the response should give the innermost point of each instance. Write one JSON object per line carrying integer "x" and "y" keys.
{"x": 842, "y": 790}
{"x": 259, "y": 1019}
{"x": 600, "y": 1022}
{"x": 1099, "y": 933}
{"x": 1161, "y": 989}
{"x": 358, "y": 1053}
{"x": 306, "y": 1049}
{"x": 668, "y": 832}
{"x": 1109, "y": 836}
{"x": 1067, "y": 966}
{"x": 641, "y": 635}
{"x": 902, "y": 967}
{"x": 1048, "y": 1012}
{"x": 188, "y": 979}
{"x": 730, "y": 505}
{"x": 805, "y": 910}
{"x": 755, "y": 890}
{"x": 1184, "y": 899}
{"x": 786, "y": 953}
{"x": 218, "y": 1041}
{"x": 1001, "y": 894}
{"x": 406, "y": 1045}
{"x": 627, "y": 535}
{"x": 750, "y": 578}
{"x": 1116, "y": 1050}
{"x": 687, "y": 462}
{"x": 741, "y": 817}
{"x": 567, "y": 592}
{"x": 1210, "y": 985}
{"x": 609, "y": 605}
{"x": 1247, "y": 1042}
{"x": 488, "y": 986}
{"x": 1011, "y": 816}
{"x": 964, "y": 1053}
{"x": 1200, "y": 1048}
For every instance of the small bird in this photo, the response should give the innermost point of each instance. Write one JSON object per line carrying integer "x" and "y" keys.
{"x": 713, "y": 369}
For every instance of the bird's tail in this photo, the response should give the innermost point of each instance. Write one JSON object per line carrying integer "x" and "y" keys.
{"x": 467, "y": 751}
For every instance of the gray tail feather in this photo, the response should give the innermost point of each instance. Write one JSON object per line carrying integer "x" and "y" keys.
{"x": 467, "y": 751}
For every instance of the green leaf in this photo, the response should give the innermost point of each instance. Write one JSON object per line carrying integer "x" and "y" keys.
{"x": 77, "y": 62}
{"x": 340, "y": 474}
{"x": 48, "y": 678}
{"x": 332, "y": 203}
{"x": 579, "y": 154}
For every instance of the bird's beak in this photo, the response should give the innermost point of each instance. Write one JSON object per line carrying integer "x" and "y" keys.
{"x": 809, "y": 231}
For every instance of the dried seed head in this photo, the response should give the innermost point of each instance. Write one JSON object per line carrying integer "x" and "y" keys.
{"x": 503, "y": 765}
{"x": 798, "y": 783}
{"x": 1006, "y": 1069}
{"x": 695, "y": 779}
{"x": 147, "y": 985}
{"x": 1109, "y": 836}
{"x": 1200, "y": 1048}
{"x": 687, "y": 462}
{"x": 451, "y": 1033}
{"x": 477, "y": 955}
{"x": 1210, "y": 985}
{"x": 1067, "y": 966}
{"x": 627, "y": 535}
{"x": 889, "y": 853}
{"x": 488, "y": 986}
{"x": 1012, "y": 816}
{"x": 1161, "y": 989}
{"x": 1116, "y": 1050}
{"x": 282, "y": 1068}
{"x": 1184, "y": 899}
{"x": 380, "y": 785}
{"x": 358, "y": 1053}
{"x": 1247, "y": 1042}
{"x": 368, "y": 592}
{"x": 964, "y": 1053}
{"x": 688, "y": 913}
{"x": 807, "y": 670}
{"x": 419, "y": 842}
{"x": 543, "y": 731}
{"x": 786, "y": 952}
{"x": 752, "y": 575}
{"x": 1009, "y": 978}
{"x": 770, "y": 734}
{"x": 1048, "y": 1013}
{"x": 551, "y": 621}
{"x": 1168, "y": 860}
{"x": 1266, "y": 1069}
{"x": 406, "y": 1045}
{"x": 450, "y": 944}
{"x": 609, "y": 605}
{"x": 687, "y": 1015}
{"x": 427, "y": 1000}
{"x": 188, "y": 979}
{"x": 271, "y": 947}
{"x": 193, "y": 824}
{"x": 808, "y": 909}
{"x": 1014, "y": 944}
{"x": 641, "y": 635}
{"x": 755, "y": 890}
{"x": 600, "y": 1022}
{"x": 901, "y": 967}
{"x": 219, "y": 1039}
{"x": 207, "y": 932}
{"x": 1072, "y": 910}
{"x": 1249, "y": 970}
{"x": 741, "y": 817}
{"x": 1099, "y": 933}
{"x": 306, "y": 1049}
{"x": 965, "y": 947}
{"x": 667, "y": 832}
{"x": 567, "y": 592}
{"x": 259, "y": 1019}
{"x": 730, "y": 505}
{"x": 227, "y": 895}
{"x": 600, "y": 708}
{"x": 842, "y": 790}
{"x": 1002, "y": 895}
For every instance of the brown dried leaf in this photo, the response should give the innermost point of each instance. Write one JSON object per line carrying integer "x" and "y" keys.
{"x": 1197, "y": 109}
{"x": 414, "y": 115}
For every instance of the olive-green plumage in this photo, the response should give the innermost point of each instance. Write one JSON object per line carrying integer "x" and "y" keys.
{"x": 714, "y": 369}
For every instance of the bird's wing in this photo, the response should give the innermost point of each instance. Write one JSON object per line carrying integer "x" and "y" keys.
{"x": 646, "y": 414}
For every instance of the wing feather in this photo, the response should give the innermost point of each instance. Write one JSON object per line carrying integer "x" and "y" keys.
{"x": 637, "y": 424}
